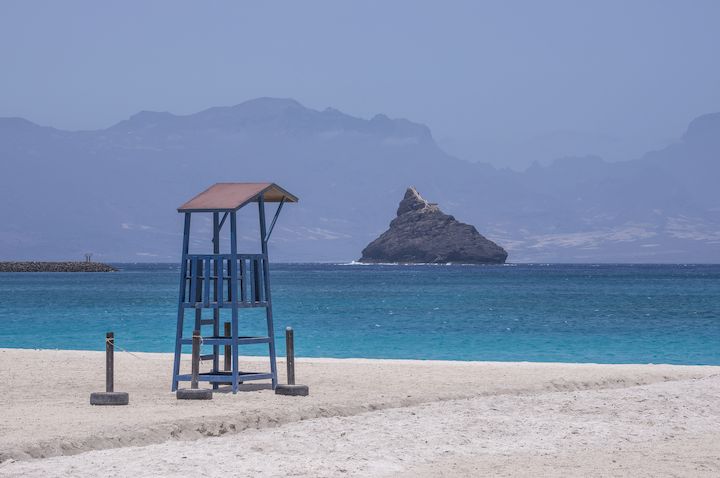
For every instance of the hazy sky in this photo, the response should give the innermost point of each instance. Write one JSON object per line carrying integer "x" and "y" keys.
{"x": 478, "y": 73}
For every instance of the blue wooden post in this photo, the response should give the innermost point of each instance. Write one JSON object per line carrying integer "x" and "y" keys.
{"x": 216, "y": 311}
{"x": 234, "y": 288}
{"x": 181, "y": 299}
{"x": 198, "y": 268}
{"x": 268, "y": 306}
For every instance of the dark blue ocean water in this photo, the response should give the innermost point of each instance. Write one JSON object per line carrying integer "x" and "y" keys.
{"x": 578, "y": 313}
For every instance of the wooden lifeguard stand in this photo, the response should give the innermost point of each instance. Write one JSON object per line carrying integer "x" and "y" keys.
{"x": 216, "y": 281}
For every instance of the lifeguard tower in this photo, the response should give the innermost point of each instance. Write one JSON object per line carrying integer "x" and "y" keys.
{"x": 211, "y": 282}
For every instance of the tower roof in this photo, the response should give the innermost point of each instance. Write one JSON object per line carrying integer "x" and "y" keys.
{"x": 223, "y": 197}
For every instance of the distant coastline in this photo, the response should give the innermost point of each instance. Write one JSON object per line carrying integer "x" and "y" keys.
{"x": 66, "y": 266}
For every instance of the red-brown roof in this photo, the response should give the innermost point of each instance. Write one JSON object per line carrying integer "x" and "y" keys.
{"x": 232, "y": 196}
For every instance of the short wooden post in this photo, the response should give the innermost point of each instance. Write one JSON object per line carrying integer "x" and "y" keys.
{"x": 195, "y": 393}
{"x": 228, "y": 349}
{"x": 109, "y": 362}
{"x": 291, "y": 388}
{"x": 195, "y": 359}
{"x": 290, "y": 348}
{"x": 109, "y": 396}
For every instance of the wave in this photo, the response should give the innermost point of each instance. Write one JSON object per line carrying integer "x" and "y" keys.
{"x": 412, "y": 264}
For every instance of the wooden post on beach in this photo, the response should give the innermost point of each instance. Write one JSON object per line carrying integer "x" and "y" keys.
{"x": 290, "y": 347}
{"x": 195, "y": 359}
{"x": 291, "y": 388}
{"x": 195, "y": 393}
{"x": 228, "y": 350}
{"x": 109, "y": 362}
{"x": 109, "y": 396}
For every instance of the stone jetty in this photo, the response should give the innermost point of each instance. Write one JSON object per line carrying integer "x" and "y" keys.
{"x": 67, "y": 266}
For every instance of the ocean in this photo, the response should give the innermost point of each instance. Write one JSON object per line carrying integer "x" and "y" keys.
{"x": 514, "y": 312}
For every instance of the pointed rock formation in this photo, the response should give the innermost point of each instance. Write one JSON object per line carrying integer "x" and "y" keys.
{"x": 422, "y": 233}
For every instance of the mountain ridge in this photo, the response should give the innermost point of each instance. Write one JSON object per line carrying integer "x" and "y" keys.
{"x": 274, "y": 111}
{"x": 118, "y": 187}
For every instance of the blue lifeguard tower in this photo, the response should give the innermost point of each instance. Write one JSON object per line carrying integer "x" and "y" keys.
{"x": 211, "y": 282}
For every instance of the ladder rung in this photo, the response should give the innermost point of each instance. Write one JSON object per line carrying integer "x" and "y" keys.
{"x": 226, "y": 377}
{"x": 207, "y": 357}
{"x": 228, "y": 340}
{"x": 215, "y": 305}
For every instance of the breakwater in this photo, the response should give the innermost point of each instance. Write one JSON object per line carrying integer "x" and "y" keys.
{"x": 66, "y": 266}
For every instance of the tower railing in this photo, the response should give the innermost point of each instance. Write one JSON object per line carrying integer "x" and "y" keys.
{"x": 208, "y": 281}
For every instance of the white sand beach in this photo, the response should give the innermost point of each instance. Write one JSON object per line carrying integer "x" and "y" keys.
{"x": 362, "y": 418}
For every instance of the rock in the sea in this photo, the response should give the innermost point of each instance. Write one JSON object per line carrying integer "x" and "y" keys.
{"x": 422, "y": 233}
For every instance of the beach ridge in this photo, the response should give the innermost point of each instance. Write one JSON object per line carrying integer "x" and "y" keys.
{"x": 39, "y": 428}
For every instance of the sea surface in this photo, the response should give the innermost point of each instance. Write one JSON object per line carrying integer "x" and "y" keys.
{"x": 542, "y": 312}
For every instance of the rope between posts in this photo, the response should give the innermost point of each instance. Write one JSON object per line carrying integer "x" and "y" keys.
{"x": 114, "y": 345}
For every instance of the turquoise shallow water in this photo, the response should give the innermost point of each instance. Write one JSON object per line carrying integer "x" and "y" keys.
{"x": 567, "y": 313}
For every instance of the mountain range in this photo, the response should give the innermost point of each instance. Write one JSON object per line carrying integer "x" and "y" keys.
{"x": 114, "y": 191}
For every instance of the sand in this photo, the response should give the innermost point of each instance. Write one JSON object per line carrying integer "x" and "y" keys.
{"x": 363, "y": 418}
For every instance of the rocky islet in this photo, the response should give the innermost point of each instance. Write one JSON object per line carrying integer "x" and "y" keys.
{"x": 422, "y": 233}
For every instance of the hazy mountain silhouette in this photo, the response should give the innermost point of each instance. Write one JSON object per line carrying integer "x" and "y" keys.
{"x": 114, "y": 191}
{"x": 519, "y": 154}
